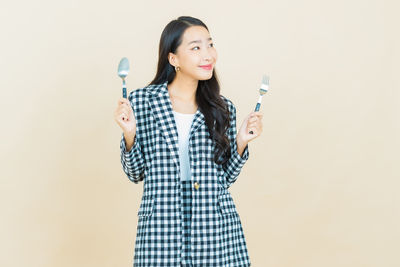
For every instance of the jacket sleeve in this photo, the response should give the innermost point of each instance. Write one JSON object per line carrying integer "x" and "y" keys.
{"x": 132, "y": 161}
{"x": 235, "y": 163}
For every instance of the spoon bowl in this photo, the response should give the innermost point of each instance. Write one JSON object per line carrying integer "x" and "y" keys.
{"x": 123, "y": 70}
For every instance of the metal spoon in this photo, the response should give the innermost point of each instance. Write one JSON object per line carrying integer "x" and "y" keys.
{"x": 123, "y": 70}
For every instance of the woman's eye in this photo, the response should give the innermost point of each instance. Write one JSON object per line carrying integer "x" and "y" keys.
{"x": 194, "y": 48}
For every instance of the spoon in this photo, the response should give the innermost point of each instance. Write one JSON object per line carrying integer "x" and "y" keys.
{"x": 123, "y": 70}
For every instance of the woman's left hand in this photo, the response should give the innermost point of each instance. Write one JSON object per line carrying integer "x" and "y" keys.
{"x": 251, "y": 123}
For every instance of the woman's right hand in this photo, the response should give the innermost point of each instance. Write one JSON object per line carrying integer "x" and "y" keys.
{"x": 125, "y": 118}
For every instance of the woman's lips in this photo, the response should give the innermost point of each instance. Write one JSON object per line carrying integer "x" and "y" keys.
{"x": 206, "y": 67}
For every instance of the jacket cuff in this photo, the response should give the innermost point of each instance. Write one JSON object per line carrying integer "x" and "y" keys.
{"x": 238, "y": 160}
{"x": 134, "y": 149}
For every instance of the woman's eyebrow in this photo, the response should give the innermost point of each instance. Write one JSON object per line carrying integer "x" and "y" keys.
{"x": 199, "y": 41}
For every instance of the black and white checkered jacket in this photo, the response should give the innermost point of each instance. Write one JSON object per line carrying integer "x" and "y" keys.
{"x": 217, "y": 237}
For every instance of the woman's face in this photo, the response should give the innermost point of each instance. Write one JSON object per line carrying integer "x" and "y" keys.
{"x": 195, "y": 53}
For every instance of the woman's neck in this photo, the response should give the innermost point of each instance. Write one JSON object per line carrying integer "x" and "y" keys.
{"x": 183, "y": 94}
{"x": 184, "y": 90}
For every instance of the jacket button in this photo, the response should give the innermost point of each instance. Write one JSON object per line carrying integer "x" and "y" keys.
{"x": 196, "y": 185}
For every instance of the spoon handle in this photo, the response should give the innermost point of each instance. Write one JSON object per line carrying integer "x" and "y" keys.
{"x": 123, "y": 88}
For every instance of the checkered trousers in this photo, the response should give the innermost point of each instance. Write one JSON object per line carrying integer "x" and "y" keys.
{"x": 216, "y": 234}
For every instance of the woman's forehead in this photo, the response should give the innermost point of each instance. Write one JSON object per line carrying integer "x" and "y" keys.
{"x": 196, "y": 34}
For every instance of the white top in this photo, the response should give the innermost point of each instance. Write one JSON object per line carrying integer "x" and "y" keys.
{"x": 183, "y": 125}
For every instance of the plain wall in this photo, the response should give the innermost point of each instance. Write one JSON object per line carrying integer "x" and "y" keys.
{"x": 321, "y": 185}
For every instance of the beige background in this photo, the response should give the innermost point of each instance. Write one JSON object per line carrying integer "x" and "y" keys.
{"x": 321, "y": 185}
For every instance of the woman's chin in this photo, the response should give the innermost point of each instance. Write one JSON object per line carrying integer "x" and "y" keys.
{"x": 205, "y": 77}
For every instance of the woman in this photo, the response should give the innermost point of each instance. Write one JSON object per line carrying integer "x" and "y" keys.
{"x": 179, "y": 138}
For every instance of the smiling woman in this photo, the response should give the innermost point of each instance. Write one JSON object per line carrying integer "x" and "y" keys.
{"x": 179, "y": 138}
{"x": 187, "y": 61}
{"x": 196, "y": 53}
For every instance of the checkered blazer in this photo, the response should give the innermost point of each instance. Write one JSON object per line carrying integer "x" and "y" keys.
{"x": 217, "y": 237}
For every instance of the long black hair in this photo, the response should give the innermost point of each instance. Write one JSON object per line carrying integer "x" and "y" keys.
{"x": 208, "y": 98}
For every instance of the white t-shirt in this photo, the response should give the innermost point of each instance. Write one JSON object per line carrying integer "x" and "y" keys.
{"x": 183, "y": 125}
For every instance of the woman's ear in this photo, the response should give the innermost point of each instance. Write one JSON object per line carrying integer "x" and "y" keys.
{"x": 172, "y": 59}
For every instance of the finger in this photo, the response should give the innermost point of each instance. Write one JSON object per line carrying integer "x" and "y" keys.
{"x": 256, "y": 114}
{"x": 259, "y": 127}
{"x": 254, "y": 130}
{"x": 124, "y": 102}
{"x": 253, "y": 119}
{"x": 123, "y": 117}
{"x": 119, "y": 117}
{"x": 121, "y": 109}
{"x": 125, "y": 110}
{"x": 127, "y": 102}
{"x": 253, "y": 124}
{"x": 121, "y": 100}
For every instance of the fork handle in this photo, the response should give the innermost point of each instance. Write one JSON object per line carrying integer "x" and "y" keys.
{"x": 256, "y": 109}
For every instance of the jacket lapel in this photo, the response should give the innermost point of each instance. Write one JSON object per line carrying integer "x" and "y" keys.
{"x": 161, "y": 108}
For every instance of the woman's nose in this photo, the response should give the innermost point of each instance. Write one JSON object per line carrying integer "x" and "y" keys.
{"x": 207, "y": 56}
